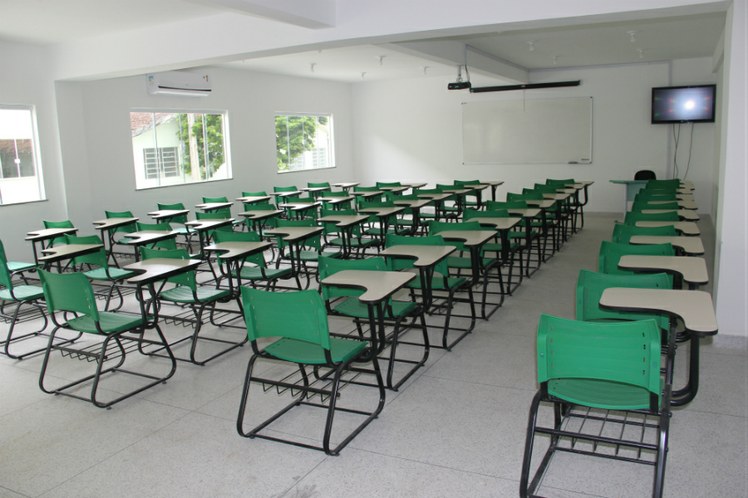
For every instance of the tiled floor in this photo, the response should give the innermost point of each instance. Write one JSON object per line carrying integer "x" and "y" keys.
{"x": 456, "y": 429}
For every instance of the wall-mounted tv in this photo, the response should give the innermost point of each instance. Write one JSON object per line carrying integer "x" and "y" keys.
{"x": 683, "y": 104}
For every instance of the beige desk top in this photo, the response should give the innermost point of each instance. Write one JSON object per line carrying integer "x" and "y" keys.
{"x": 692, "y": 269}
{"x": 294, "y": 234}
{"x": 154, "y": 269}
{"x": 434, "y": 197}
{"x": 683, "y": 204}
{"x": 689, "y": 245}
{"x": 424, "y": 256}
{"x": 694, "y": 307}
{"x": 146, "y": 237}
{"x": 261, "y": 214}
{"x": 287, "y": 193}
{"x": 685, "y": 214}
{"x": 558, "y": 197}
{"x": 412, "y": 203}
{"x": 344, "y": 220}
{"x": 526, "y": 212}
{"x": 167, "y": 213}
{"x": 109, "y": 223}
{"x": 212, "y": 206}
{"x": 346, "y": 184}
{"x": 684, "y": 227}
{"x": 382, "y": 211}
{"x": 498, "y": 223}
{"x": 377, "y": 285}
{"x": 253, "y": 199}
{"x": 541, "y": 204}
{"x": 237, "y": 249}
{"x": 67, "y": 251}
{"x": 469, "y": 237}
{"x": 200, "y": 225}
{"x": 48, "y": 233}
{"x": 336, "y": 200}
{"x": 394, "y": 189}
{"x": 367, "y": 193}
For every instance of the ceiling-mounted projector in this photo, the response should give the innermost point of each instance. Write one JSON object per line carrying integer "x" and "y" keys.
{"x": 459, "y": 85}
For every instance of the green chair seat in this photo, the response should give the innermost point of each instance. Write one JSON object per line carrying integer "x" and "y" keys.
{"x": 110, "y": 273}
{"x": 110, "y": 323}
{"x": 257, "y": 273}
{"x": 341, "y": 350}
{"x": 22, "y": 293}
{"x": 183, "y": 294}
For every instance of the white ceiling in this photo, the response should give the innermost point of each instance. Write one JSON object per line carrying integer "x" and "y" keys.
{"x": 578, "y": 43}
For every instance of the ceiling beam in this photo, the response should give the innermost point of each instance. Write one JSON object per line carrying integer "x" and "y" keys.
{"x": 458, "y": 54}
{"x": 314, "y": 14}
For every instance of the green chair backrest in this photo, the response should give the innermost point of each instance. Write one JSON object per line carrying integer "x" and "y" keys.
{"x": 156, "y": 227}
{"x": 588, "y": 363}
{"x": 58, "y": 224}
{"x": 182, "y": 218}
{"x": 318, "y": 184}
{"x": 633, "y": 216}
{"x": 5, "y": 277}
{"x": 471, "y": 213}
{"x": 226, "y": 236}
{"x": 221, "y": 198}
{"x": 462, "y": 183}
{"x": 290, "y": 188}
{"x": 640, "y": 205}
{"x": 590, "y": 287}
{"x": 312, "y": 242}
{"x": 388, "y": 184}
{"x": 266, "y": 314}
{"x": 559, "y": 182}
{"x": 611, "y": 252}
{"x": 69, "y": 292}
{"x": 130, "y": 227}
{"x": 222, "y": 213}
{"x": 98, "y": 258}
{"x": 186, "y": 279}
{"x": 622, "y": 232}
{"x": 528, "y": 193}
{"x": 663, "y": 184}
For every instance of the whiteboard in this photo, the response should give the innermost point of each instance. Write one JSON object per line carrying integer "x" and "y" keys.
{"x": 528, "y": 131}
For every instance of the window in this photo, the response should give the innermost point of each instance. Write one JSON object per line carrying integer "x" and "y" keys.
{"x": 20, "y": 169}
{"x": 303, "y": 142}
{"x": 174, "y": 148}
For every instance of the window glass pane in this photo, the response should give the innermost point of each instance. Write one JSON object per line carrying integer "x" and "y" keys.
{"x": 20, "y": 175}
{"x": 303, "y": 142}
{"x": 173, "y": 148}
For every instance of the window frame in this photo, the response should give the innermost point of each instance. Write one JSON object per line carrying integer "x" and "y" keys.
{"x": 141, "y": 176}
{"x": 36, "y": 158}
{"x": 331, "y": 140}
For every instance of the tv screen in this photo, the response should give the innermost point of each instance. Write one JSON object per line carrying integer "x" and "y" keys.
{"x": 683, "y": 104}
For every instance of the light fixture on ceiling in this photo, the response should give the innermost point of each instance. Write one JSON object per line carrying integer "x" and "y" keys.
{"x": 632, "y": 35}
{"x": 312, "y": 66}
{"x": 426, "y": 70}
{"x": 531, "y": 45}
{"x": 555, "y": 60}
{"x": 363, "y": 75}
{"x": 641, "y": 52}
{"x": 381, "y": 60}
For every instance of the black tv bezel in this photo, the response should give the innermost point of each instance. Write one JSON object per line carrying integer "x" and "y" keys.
{"x": 711, "y": 119}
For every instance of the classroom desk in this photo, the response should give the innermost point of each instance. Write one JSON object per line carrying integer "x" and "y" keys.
{"x": 232, "y": 256}
{"x": 689, "y": 269}
{"x": 258, "y": 218}
{"x": 108, "y": 227}
{"x": 346, "y": 223}
{"x": 367, "y": 194}
{"x": 295, "y": 236}
{"x": 208, "y": 207}
{"x": 684, "y": 227}
{"x": 203, "y": 227}
{"x": 414, "y": 185}
{"x": 398, "y": 189}
{"x": 378, "y": 287}
{"x": 166, "y": 215}
{"x": 425, "y": 258}
{"x": 145, "y": 237}
{"x": 346, "y": 186}
{"x": 336, "y": 202}
{"x": 415, "y": 206}
{"x": 694, "y": 307}
{"x": 253, "y": 199}
{"x": 438, "y": 200}
{"x": 493, "y": 185}
{"x": 315, "y": 192}
{"x": 44, "y": 237}
{"x": 383, "y": 214}
{"x": 299, "y": 208}
{"x": 289, "y": 193}
{"x": 57, "y": 254}
{"x": 690, "y": 246}
{"x": 684, "y": 214}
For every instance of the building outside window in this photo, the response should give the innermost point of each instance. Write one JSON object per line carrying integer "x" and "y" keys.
{"x": 20, "y": 169}
{"x": 304, "y": 142}
{"x": 175, "y": 148}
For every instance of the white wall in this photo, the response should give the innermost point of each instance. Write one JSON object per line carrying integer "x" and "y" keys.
{"x": 104, "y": 165}
{"x": 411, "y": 130}
{"x": 26, "y": 80}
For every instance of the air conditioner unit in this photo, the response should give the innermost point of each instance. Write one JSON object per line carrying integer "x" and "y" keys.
{"x": 182, "y": 83}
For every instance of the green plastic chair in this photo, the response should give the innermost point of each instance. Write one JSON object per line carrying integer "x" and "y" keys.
{"x": 18, "y": 296}
{"x": 622, "y": 232}
{"x": 303, "y": 340}
{"x": 633, "y": 216}
{"x": 72, "y": 306}
{"x": 599, "y": 372}
{"x": 16, "y": 267}
{"x": 308, "y": 253}
{"x": 96, "y": 268}
{"x": 130, "y": 227}
{"x": 180, "y": 229}
{"x": 611, "y": 252}
{"x": 254, "y": 269}
{"x": 343, "y": 301}
{"x": 183, "y": 291}
{"x": 441, "y": 285}
{"x": 58, "y": 224}
{"x": 325, "y": 185}
{"x": 222, "y": 213}
{"x": 333, "y": 235}
{"x": 156, "y": 227}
